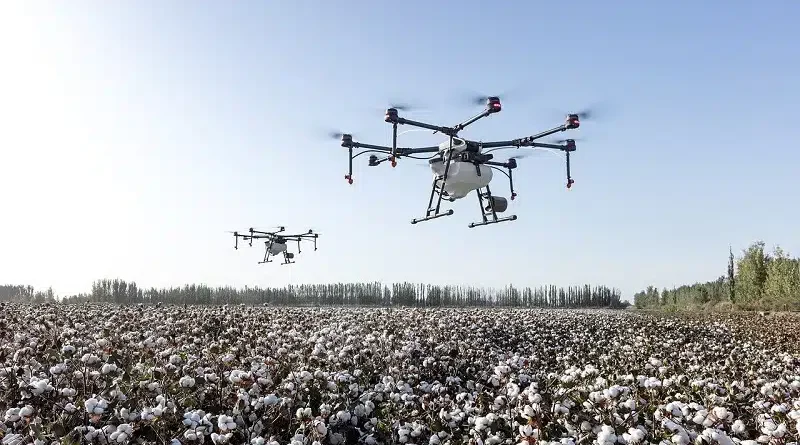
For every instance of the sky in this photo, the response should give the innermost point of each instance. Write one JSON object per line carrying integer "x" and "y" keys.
{"x": 135, "y": 134}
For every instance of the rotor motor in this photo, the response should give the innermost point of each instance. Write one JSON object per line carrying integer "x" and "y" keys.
{"x": 493, "y": 104}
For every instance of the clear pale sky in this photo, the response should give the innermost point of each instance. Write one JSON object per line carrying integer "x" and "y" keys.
{"x": 134, "y": 134}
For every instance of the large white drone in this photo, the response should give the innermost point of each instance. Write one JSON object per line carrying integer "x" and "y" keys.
{"x": 459, "y": 165}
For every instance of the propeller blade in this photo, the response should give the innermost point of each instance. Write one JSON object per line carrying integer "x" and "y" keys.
{"x": 331, "y": 133}
{"x": 593, "y": 112}
{"x": 402, "y": 106}
{"x": 271, "y": 229}
{"x": 586, "y": 114}
{"x": 336, "y": 134}
{"x": 562, "y": 141}
{"x": 475, "y": 98}
{"x": 523, "y": 155}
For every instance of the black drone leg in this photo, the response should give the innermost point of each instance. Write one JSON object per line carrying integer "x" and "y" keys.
{"x": 286, "y": 259}
{"x": 266, "y": 253}
{"x": 480, "y": 203}
{"x": 491, "y": 211}
{"x": 436, "y": 214}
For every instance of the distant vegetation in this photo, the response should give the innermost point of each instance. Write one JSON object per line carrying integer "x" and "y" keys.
{"x": 349, "y": 294}
{"x": 758, "y": 280}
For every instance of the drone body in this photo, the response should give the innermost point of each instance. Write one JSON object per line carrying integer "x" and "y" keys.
{"x": 459, "y": 165}
{"x": 462, "y": 177}
{"x": 276, "y": 248}
{"x": 276, "y": 242}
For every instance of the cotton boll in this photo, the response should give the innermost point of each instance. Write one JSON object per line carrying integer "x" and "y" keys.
{"x": 14, "y": 439}
{"x": 226, "y": 423}
{"x": 343, "y": 416}
{"x": 320, "y": 427}
{"x": 768, "y": 427}
{"x": 606, "y": 436}
{"x": 187, "y": 382}
{"x": 633, "y": 435}
{"x": 26, "y": 411}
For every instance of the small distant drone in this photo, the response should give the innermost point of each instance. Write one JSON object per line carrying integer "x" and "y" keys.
{"x": 276, "y": 242}
{"x": 460, "y": 165}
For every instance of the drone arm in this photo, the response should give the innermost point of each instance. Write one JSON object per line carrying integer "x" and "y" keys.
{"x": 371, "y": 147}
{"x": 268, "y": 234}
{"x": 501, "y": 144}
{"x": 528, "y": 141}
{"x": 411, "y": 151}
{"x": 553, "y": 146}
{"x": 404, "y": 121}
{"x": 473, "y": 119}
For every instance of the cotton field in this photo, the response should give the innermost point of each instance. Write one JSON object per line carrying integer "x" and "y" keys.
{"x": 252, "y": 375}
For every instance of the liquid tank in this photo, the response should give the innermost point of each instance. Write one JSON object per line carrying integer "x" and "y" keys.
{"x": 462, "y": 177}
{"x": 277, "y": 248}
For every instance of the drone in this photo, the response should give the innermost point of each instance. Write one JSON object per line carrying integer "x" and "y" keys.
{"x": 460, "y": 165}
{"x": 275, "y": 242}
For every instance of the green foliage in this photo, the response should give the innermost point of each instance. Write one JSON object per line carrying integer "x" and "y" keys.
{"x": 357, "y": 294}
{"x": 731, "y": 276}
{"x": 782, "y": 285}
{"x": 757, "y": 280}
{"x": 25, "y": 294}
{"x": 751, "y": 274}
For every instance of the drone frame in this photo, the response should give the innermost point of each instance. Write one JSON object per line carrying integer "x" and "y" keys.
{"x": 273, "y": 237}
{"x": 472, "y": 153}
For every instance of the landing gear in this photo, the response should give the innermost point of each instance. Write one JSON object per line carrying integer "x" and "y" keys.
{"x": 490, "y": 207}
{"x": 267, "y": 252}
{"x": 433, "y": 212}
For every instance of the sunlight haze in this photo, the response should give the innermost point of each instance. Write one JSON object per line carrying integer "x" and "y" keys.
{"x": 135, "y": 134}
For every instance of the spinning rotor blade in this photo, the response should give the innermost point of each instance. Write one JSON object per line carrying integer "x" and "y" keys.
{"x": 403, "y": 107}
{"x": 271, "y": 229}
{"x": 592, "y": 113}
{"x": 475, "y": 98}
{"x": 523, "y": 155}
{"x": 586, "y": 114}
{"x": 333, "y": 134}
{"x": 562, "y": 141}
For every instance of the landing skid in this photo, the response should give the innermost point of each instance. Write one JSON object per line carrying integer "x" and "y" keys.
{"x": 267, "y": 253}
{"x": 287, "y": 257}
{"x": 434, "y": 212}
{"x": 487, "y": 195}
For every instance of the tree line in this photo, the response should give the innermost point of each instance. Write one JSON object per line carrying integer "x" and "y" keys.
{"x": 349, "y": 294}
{"x": 757, "y": 280}
{"x": 26, "y": 293}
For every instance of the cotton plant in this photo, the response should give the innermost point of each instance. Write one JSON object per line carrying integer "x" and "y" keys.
{"x": 447, "y": 376}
